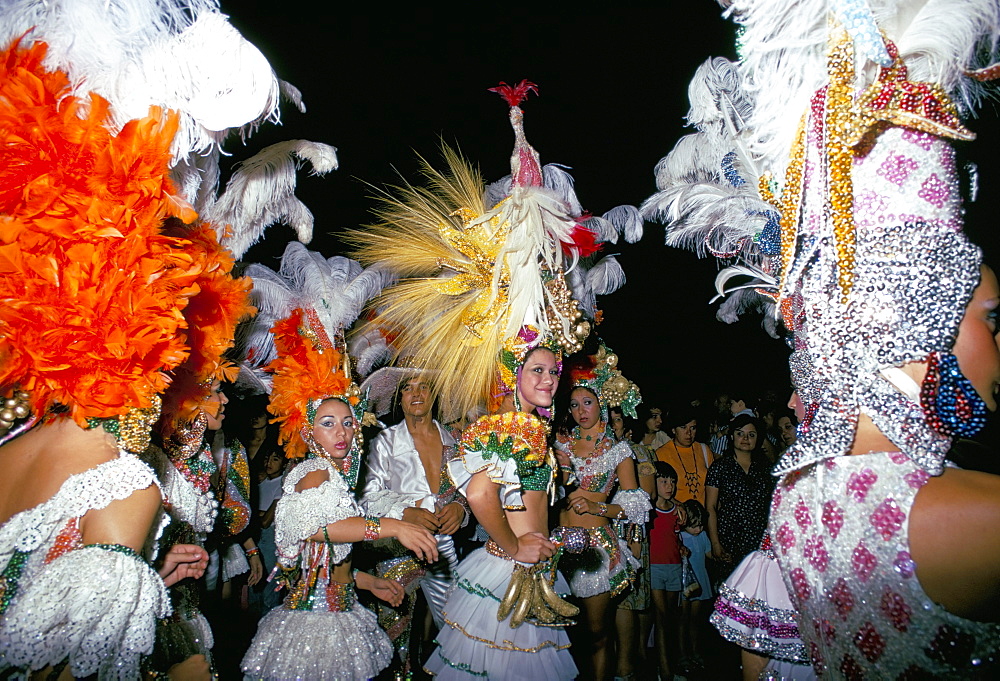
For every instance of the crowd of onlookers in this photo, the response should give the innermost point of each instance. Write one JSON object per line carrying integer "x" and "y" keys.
{"x": 711, "y": 460}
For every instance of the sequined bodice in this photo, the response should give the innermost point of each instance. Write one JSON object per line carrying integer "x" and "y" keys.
{"x": 840, "y": 532}
{"x": 596, "y": 473}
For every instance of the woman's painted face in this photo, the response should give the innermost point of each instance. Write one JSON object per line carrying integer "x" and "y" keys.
{"x": 334, "y": 428}
{"x": 977, "y": 346}
{"x": 684, "y": 435}
{"x": 654, "y": 421}
{"x": 617, "y": 423}
{"x": 215, "y": 406}
{"x": 585, "y": 408}
{"x": 536, "y": 385}
{"x": 787, "y": 431}
{"x": 745, "y": 438}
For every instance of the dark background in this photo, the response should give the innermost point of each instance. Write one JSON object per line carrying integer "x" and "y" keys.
{"x": 383, "y": 85}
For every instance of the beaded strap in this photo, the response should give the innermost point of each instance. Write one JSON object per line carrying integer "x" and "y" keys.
{"x": 494, "y": 549}
{"x": 373, "y": 528}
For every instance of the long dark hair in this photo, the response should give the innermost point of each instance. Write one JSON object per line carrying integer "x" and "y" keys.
{"x": 566, "y": 423}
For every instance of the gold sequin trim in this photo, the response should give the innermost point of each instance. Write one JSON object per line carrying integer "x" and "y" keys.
{"x": 505, "y": 644}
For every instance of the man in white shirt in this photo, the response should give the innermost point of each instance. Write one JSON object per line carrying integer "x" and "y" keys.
{"x": 407, "y": 479}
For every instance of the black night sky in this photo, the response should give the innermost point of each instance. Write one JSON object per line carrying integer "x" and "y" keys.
{"x": 383, "y": 85}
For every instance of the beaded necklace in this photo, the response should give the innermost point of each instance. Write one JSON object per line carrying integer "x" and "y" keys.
{"x": 691, "y": 479}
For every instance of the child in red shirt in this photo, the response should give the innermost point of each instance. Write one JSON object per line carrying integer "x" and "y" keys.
{"x": 665, "y": 549}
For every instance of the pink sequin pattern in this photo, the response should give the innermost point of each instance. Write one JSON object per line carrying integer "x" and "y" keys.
{"x": 851, "y": 575}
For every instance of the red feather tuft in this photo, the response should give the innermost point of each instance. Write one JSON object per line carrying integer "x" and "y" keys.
{"x": 515, "y": 94}
{"x": 584, "y": 242}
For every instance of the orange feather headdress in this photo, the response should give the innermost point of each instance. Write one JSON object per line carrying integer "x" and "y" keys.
{"x": 211, "y": 315}
{"x": 91, "y": 290}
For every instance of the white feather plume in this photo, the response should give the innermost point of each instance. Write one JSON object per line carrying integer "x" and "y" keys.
{"x": 627, "y": 221}
{"x": 181, "y": 55}
{"x": 262, "y": 192}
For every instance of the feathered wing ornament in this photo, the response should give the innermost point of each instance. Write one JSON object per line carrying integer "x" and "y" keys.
{"x": 329, "y": 292}
{"x": 714, "y": 199}
{"x": 181, "y": 55}
{"x": 184, "y": 56}
{"x": 479, "y": 268}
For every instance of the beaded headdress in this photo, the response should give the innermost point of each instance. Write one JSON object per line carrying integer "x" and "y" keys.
{"x": 297, "y": 340}
{"x": 599, "y": 373}
{"x": 861, "y": 245}
{"x": 482, "y": 269}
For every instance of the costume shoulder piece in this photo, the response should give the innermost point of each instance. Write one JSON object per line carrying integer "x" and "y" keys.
{"x": 512, "y": 448}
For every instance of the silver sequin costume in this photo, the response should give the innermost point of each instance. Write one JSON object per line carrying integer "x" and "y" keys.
{"x": 321, "y": 631}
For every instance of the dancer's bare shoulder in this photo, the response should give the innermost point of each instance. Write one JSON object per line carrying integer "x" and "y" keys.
{"x": 955, "y": 542}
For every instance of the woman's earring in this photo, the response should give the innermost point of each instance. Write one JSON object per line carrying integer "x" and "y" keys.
{"x": 949, "y": 400}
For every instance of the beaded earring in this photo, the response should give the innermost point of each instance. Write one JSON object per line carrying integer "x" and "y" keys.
{"x": 949, "y": 400}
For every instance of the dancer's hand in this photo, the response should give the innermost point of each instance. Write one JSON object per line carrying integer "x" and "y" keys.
{"x": 417, "y": 539}
{"x": 533, "y": 547}
{"x": 421, "y": 517}
{"x": 256, "y": 569}
{"x": 450, "y": 518}
{"x": 388, "y": 590}
{"x": 183, "y": 561}
{"x": 195, "y": 668}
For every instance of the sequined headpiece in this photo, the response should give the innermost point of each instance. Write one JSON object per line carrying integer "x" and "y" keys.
{"x": 482, "y": 276}
{"x": 862, "y": 248}
{"x": 599, "y": 374}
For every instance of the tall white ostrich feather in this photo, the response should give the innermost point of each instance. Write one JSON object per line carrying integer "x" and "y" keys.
{"x": 262, "y": 192}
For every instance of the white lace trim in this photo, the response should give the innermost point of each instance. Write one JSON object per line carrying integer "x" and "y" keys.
{"x": 300, "y": 515}
{"x": 95, "y": 606}
{"x": 93, "y": 489}
{"x": 502, "y": 472}
{"x": 187, "y": 504}
{"x": 635, "y": 504}
{"x": 386, "y": 503}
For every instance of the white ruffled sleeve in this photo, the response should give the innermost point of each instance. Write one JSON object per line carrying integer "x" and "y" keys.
{"x": 300, "y": 515}
{"x": 186, "y": 503}
{"x": 96, "y": 605}
{"x": 635, "y": 504}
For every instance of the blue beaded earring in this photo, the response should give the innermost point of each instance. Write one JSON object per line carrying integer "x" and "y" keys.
{"x": 951, "y": 403}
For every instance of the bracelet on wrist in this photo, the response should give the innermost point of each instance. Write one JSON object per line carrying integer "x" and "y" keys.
{"x": 326, "y": 534}
{"x": 252, "y": 552}
{"x": 373, "y": 528}
{"x": 602, "y": 508}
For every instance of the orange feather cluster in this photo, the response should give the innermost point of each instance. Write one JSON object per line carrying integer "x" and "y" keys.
{"x": 302, "y": 373}
{"x": 91, "y": 291}
{"x": 212, "y": 315}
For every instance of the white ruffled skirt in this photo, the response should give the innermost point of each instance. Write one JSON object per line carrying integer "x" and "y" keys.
{"x": 303, "y": 644}
{"x": 474, "y": 645}
{"x": 754, "y": 612}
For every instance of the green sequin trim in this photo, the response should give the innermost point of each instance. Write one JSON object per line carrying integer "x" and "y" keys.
{"x": 9, "y": 578}
{"x": 535, "y": 479}
{"x": 476, "y": 589}
{"x": 117, "y": 548}
{"x": 462, "y": 667}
